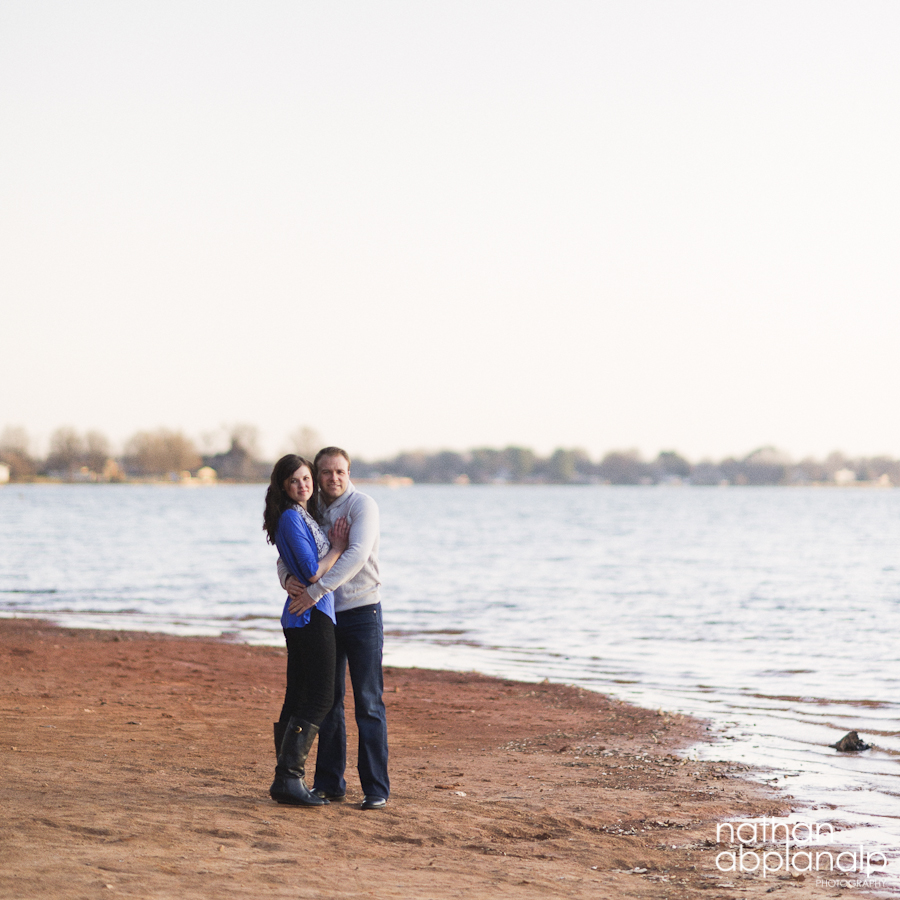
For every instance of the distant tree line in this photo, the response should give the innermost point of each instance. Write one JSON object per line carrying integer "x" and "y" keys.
{"x": 171, "y": 455}
{"x": 147, "y": 455}
{"x": 519, "y": 465}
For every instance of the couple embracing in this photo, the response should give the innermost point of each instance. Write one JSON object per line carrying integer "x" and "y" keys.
{"x": 327, "y": 535}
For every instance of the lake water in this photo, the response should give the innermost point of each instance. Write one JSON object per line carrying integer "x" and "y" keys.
{"x": 773, "y": 612}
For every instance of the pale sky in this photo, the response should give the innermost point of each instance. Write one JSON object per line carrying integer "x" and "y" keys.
{"x": 450, "y": 224}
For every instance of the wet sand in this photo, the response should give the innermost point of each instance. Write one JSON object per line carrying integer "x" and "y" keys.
{"x": 137, "y": 765}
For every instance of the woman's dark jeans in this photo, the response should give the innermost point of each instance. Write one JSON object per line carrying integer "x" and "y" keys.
{"x": 310, "y": 670}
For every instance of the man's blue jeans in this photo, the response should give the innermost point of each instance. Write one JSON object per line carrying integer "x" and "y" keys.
{"x": 359, "y": 640}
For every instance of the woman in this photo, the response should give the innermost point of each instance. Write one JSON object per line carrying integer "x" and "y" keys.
{"x": 290, "y": 524}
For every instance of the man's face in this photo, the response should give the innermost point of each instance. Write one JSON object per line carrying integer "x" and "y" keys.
{"x": 334, "y": 476}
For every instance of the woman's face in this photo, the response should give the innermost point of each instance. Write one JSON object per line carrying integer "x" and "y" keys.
{"x": 299, "y": 486}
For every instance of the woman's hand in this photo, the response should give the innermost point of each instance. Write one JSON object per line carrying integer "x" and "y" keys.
{"x": 339, "y": 535}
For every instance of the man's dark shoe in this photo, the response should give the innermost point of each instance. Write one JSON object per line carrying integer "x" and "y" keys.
{"x": 372, "y": 802}
{"x": 324, "y": 795}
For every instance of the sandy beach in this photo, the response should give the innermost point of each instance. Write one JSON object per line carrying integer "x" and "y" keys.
{"x": 137, "y": 765}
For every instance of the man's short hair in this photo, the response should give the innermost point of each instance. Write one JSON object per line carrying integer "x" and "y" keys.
{"x": 332, "y": 451}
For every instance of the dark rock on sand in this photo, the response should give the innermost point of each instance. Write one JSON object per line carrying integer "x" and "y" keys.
{"x": 851, "y": 742}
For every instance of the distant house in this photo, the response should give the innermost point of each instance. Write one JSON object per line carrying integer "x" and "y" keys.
{"x": 4, "y": 473}
{"x": 237, "y": 464}
{"x": 206, "y": 475}
{"x": 112, "y": 471}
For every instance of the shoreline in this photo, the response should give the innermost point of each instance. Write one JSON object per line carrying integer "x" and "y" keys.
{"x": 137, "y": 764}
{"x": 401, "y": 481}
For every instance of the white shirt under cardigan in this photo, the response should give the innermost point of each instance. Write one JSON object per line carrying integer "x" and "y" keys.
{"x": 354, "y": 577}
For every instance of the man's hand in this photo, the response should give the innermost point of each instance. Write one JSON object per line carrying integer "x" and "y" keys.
{"x": 294, "y": 587}
{"x": 300, "y": 600}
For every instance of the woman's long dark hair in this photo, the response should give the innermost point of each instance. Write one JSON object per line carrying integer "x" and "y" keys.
{"x": 277, "y": 500}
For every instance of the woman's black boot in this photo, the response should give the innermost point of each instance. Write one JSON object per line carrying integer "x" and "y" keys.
{"x": 278, "y": 728}
{"x": 288, "y": 786}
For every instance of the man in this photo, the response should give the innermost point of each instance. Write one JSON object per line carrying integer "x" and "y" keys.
{"x": 359, "y": 636}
